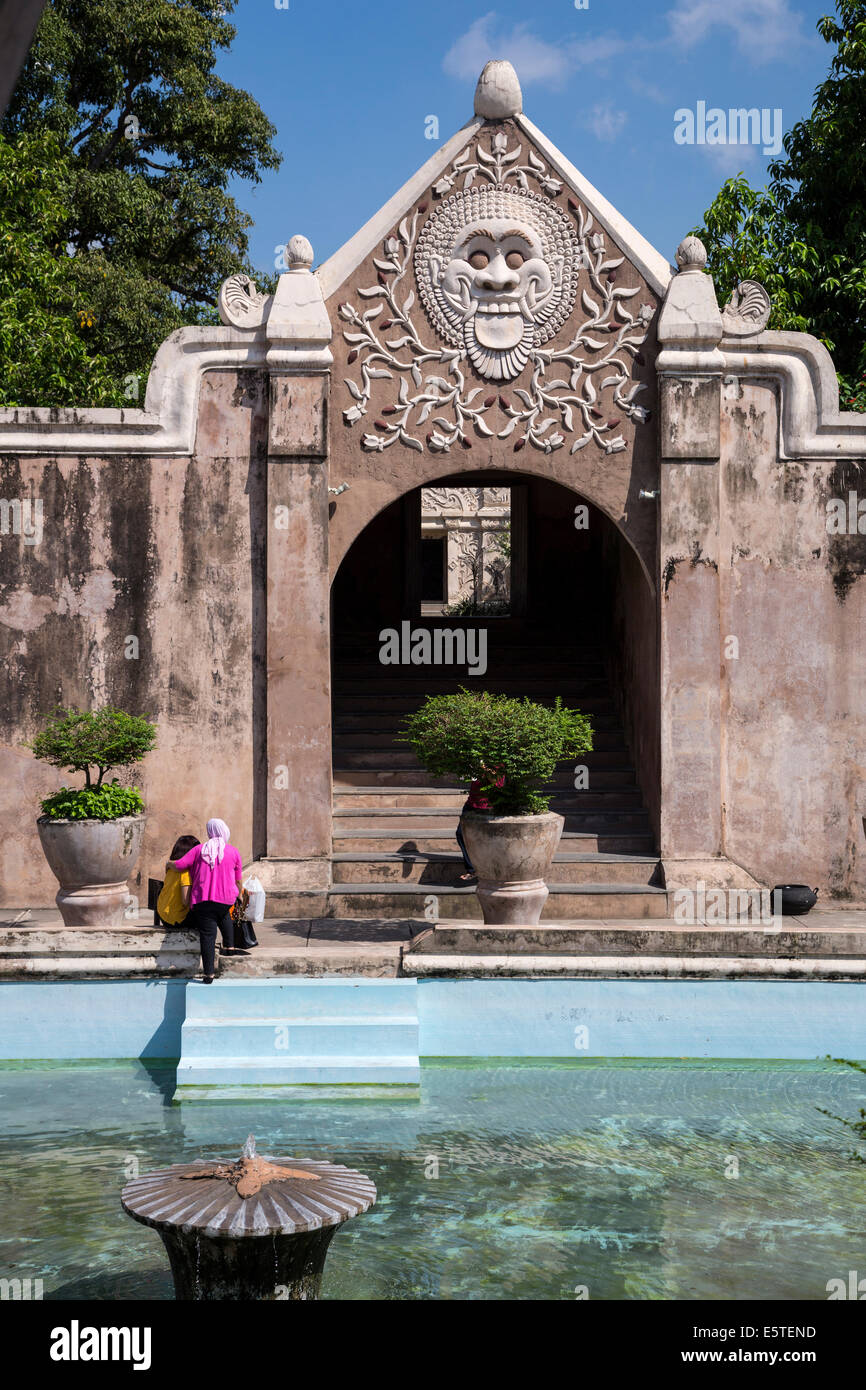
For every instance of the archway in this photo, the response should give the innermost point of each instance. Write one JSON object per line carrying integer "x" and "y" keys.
{"x": 582, "y": 623}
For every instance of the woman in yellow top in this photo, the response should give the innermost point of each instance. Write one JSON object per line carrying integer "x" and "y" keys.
{"x": 173, "y": 902}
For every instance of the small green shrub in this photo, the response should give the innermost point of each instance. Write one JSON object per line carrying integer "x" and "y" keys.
{"x": 107, "y": 802}
{"x": 478, "y": 735}
{"x": 79, "y": 740}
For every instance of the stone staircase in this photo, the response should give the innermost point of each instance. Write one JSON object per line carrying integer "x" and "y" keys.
{"x": 394, "y": 852}
{"x": 279, "y": 1033}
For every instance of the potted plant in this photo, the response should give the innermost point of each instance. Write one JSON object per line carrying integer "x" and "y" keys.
{"x": 512, "y": 747}
{"x": 91, "y": 835}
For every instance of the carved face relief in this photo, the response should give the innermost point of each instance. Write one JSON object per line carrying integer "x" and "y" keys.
{"x": 497, "y": 271}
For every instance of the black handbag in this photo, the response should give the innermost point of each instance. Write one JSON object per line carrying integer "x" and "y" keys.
{"x": 244, "y": 935}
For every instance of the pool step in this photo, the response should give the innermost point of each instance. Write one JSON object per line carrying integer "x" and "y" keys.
{"x": 289, "y": 1032}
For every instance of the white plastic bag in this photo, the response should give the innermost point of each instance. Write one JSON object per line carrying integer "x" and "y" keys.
{"x": 256, "y": 906}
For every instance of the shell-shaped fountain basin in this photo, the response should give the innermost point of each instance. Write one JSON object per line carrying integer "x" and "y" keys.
{"x": 257, "y": 1228}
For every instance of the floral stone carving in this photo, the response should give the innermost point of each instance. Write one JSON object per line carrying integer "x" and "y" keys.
{"x": 496, "y": 266}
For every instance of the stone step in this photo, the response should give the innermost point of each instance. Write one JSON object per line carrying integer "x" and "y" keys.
{"x": 227, "y": 1072}
{"x": 297, "y": 1031}
{"x": 347, "y": 798}
{"x": 404, "y": 757}
{"x": 364, "y": 1000}
{"x": 391, "y": 706}
{"x": 283, "y": 1038}
{"x": 599, "y": 817}
{"x": 417, "y": 776}
{"x": 565, "y": 901}
{"x": 444, "y": 868}
{"x": 379, "y": 841}
{"x": 389, "y": 737}
{"x": 648, "y": 939}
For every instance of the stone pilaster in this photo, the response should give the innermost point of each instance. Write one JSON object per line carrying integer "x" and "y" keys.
{"x": 296, "y": 872}
{"x": 690, "y": 369}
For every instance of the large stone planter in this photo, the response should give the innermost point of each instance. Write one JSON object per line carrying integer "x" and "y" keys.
{"x": 92, "y": 860}
{"x": 511, "y": 855}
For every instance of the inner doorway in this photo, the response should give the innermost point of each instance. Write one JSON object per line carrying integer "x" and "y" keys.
{"x": 466, "y": 545}
{"x": 552, "y": 602}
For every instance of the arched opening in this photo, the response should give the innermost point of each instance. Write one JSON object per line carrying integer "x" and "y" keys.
{"x": 580, "y": 621}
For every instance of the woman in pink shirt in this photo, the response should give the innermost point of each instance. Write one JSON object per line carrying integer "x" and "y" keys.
{"x": 216, "y": 871}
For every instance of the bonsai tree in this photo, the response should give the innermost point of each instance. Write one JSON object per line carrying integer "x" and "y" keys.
{"x": 498, "y": 739}
{"x": 93, "y": 742}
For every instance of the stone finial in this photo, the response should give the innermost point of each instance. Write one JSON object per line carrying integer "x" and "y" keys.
{"x": 498, "y": 93}
{"x": 299, "y": 253}
{"x": 747, "y": 312}
{"x": 241, "y": 304}
{"x": 691, "y": 254}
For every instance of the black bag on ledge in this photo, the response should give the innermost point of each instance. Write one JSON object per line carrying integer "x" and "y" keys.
{"x": 245, "y": 936}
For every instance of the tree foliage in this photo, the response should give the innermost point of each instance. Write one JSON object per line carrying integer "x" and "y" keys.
{"x": 804, "y": 235}
{"x": 78, "y": 740}
{"x": 147, "y": 139}
{"x": 44, "y": 345}
{"x": 478, "y": 735}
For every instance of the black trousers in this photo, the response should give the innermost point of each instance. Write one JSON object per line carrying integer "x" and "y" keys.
{"x": 205, "y": 918}
{"x": 461, "y": 842}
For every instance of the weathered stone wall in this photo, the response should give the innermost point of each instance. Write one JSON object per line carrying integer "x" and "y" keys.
{"x": 794, "y": 698}
{"x": 166, "y": 550}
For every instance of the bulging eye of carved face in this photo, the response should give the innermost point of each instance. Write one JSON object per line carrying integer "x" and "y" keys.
{"x": 497, "y": 276}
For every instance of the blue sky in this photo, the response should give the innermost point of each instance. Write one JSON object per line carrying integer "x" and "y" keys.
{"x": 349, "y": 87}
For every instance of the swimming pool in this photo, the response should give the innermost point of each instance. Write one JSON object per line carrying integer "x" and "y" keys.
{"x": 629, "y": 1179}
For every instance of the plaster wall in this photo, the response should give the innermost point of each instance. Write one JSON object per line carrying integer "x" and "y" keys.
{"x": 166, "y": 550}
{"x": 794, "y": 698}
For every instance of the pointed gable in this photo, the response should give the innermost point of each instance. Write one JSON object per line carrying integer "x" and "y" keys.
{"x": 497, "y": 301}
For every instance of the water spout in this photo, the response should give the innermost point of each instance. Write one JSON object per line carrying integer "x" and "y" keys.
{"x": 250, "y": 1147}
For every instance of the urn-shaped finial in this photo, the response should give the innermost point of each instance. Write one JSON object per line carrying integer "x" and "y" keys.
{"x": 299, "y": 253}
{"x": 498, "y": 93}
{"x": 691, "y": 254}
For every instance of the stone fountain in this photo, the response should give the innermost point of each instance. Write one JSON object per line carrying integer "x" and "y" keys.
{"x": 255, "y": 1229}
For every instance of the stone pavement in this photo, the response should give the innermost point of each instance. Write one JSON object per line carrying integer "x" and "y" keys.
{"x": 828, "y": 943}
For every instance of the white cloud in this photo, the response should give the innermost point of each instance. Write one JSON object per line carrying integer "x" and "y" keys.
{"x": 763, "y": 29}
{"x": 729, "y": 159}
{"x": 534, "y": 59}
{"x": 605, "y": 122}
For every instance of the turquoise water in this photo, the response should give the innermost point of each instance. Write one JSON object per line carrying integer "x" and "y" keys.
{"x": 515, "y": 1181}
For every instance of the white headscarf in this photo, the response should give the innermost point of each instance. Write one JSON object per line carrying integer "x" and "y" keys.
{"x": 214, "y": 847}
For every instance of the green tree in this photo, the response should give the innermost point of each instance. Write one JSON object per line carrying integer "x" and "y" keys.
{"x": 150, "y": 138}
{"x": 78, "y": 740}
{"x": 43, "y": 335}
{"x": 804, "y": 236}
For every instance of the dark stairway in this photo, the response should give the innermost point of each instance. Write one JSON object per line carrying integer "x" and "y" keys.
{"x": 394, "y": 846}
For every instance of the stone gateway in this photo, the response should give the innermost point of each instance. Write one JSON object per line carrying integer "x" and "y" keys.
{"x": 300, "y": 480}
